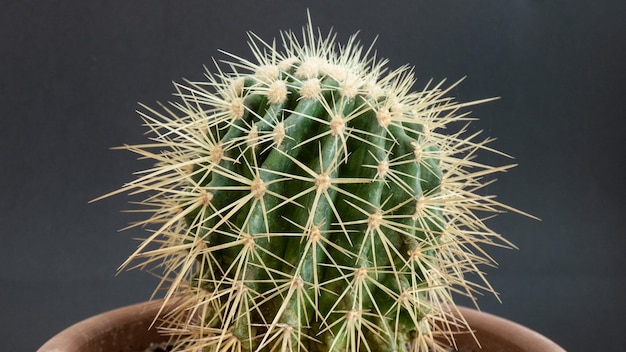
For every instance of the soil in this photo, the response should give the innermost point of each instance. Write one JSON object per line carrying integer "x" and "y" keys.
{"x": 164, "y": 347}
{"x": 158, "y": 347}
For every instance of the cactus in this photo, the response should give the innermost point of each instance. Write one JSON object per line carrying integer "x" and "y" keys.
{"x": 309, "y": 201}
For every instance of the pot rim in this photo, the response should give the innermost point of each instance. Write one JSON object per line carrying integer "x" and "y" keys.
{"x": 491, "y": 330}
{"x": 97, "y": 333}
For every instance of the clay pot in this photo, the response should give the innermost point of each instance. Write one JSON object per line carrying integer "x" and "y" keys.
{"x": 496, "y": 334}
{"x": 126, "y": 330}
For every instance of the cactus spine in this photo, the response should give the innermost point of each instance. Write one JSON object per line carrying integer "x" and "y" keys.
{"x": 308, "y": 201}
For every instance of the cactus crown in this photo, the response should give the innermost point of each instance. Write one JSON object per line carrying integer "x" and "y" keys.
{"x": 308, "y": 201}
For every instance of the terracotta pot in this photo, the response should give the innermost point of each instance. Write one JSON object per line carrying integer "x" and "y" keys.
{"x": 126, "y": 330}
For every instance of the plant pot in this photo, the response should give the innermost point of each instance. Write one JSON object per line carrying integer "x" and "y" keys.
{"x": 127, "y": 330}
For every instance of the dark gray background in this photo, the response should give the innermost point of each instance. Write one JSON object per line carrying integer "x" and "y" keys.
{"x": 71, "y": 73}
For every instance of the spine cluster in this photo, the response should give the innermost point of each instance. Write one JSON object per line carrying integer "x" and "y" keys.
{"x": 309, "y": 201}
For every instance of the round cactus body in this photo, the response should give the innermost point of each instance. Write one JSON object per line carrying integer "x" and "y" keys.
{"x": 309, "y": 201}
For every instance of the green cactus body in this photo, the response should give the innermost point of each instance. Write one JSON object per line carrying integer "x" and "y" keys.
{"x": 310, "y": 203}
